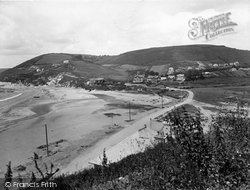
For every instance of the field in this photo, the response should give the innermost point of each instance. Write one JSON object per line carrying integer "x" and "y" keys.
{"x": 220, "y": 82}
{"x": 216, "y": 95}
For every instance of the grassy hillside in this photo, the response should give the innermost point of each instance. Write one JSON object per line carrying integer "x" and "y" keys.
{"x": 2, "y": 70}
{"x": 54, "y": 64}
{"x": 178, "y": 56}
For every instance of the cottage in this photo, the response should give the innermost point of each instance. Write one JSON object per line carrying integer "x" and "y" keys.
{"x": 170, "y": 70}
{"x": 95, "y": 81}
{"x": 236, "y": 63}
{"x": 202, "y": 67}
{"x": 163, "y": 78}
{"x": 66, "y": 61}
{"x": 163, "y": 132}
{"x": 207, "y": 74}
{"x": 139, "y": 78}
{"x": 180, "y": 77}
{"x": 178, "y": 70}
{"x": 171, "y": 77}
{"x": 153, "y": 78}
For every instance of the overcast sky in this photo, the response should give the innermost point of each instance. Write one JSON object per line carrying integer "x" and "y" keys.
{"x": 32, "y": 28}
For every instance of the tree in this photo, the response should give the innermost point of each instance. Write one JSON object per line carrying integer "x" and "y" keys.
{"x": 33, "y": 177}
{"x": 8, "y": 174}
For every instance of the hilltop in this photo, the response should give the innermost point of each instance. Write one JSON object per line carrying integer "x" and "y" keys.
{"x": 178, "y": 56}
{"x": 81, "y": 67}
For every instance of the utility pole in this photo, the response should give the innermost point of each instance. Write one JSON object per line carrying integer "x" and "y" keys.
{"x": 112, "y": 120}
{"x": 129, "y": 112}
{"x": 161, "y": 101}
{"x": 47, "y": 144}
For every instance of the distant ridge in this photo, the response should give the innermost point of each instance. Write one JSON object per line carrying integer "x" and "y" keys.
{"x": 175, "y": 55}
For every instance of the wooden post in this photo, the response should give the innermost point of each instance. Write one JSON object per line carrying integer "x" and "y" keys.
{"x": 47, "y": 144}
{"x": 162, "y": 101}
{"x": 129, "y": 112}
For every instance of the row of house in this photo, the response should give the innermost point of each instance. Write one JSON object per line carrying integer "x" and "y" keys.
{"x": 96, "y": 81}
{"x": 156, "y": 78}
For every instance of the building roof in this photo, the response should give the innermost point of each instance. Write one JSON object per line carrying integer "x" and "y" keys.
{"x": 140, "y": 76}
{"x": 94, "y": 79}
{"x": 153, "y": 77}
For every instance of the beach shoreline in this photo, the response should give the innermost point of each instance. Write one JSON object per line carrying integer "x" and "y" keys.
{"x": 75, "y": 117}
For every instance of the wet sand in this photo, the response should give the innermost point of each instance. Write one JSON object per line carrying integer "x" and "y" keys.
{"x": 74, "y": 115}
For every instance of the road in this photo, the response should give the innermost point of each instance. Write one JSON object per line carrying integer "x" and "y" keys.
{"x": 82, "y": 160}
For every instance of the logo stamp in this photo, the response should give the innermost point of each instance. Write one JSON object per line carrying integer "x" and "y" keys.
{"x": 212, "y": 27}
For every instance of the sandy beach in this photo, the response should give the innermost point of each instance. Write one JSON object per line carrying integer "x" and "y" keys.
{"x": 76, "y": 122}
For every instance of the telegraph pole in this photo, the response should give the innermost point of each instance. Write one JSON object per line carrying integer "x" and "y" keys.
{"x": 47, "y": 144}
{"x": 161, "y": 101}
{"x": 129, "y": 112}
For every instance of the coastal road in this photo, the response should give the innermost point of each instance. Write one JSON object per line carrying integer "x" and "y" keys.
{"x": 81, "y": 161}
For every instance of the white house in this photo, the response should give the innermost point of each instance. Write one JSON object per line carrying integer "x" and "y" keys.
{"x": 172, "y": 77}
{"x": 153, "y": 78}
{"x": 170, "y": 70}
{"x": 163, "y": 78}
{"x": 139, "y": 78}
{"x": 180, "y": 77}
{"x": 236, "y": 63}
{"x": 95, "y": 81}
{"x": 66, "y": 61}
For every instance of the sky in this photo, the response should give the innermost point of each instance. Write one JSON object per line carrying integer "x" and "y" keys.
{"x": 31, "y": 28}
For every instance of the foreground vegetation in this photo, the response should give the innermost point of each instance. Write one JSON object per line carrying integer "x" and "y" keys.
{"x": 189, "y": 159}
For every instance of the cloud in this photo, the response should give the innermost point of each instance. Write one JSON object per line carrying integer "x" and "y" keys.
{"x": 32, "y": 28}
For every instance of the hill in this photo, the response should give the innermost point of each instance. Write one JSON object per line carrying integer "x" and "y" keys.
{"x": 119, "y": 67}
{"x": 48, "y": 66}
{"x": 2, "y": 70}
{"x": 180, "y": 56}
